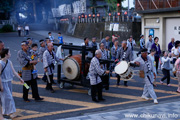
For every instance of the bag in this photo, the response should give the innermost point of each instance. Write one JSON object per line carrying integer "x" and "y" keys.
{"x": 141, "y": 74}
{"x": 174, "y": 70}
{"x": 4, "y": 67}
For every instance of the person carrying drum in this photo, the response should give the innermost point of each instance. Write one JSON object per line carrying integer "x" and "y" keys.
{"x": 147, "y": 71}
{"x": 124, "y": 54}
{"x": 95, "y": 71}
{"x": 49, "y": 58}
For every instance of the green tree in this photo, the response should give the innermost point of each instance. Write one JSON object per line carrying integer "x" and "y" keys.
{"x": 6, "y": 6}
{"x": 113, "y": 5}
{"x": 93, "y": 6}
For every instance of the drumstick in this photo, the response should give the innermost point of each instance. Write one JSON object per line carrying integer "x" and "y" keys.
{"x": 67, "y": 57}
{"x": 49, "y": 81}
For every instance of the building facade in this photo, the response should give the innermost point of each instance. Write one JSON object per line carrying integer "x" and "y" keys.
{"x": 160, "y": 18}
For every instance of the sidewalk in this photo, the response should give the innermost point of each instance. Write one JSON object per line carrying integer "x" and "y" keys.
{"x": 165, "y": 111}
{"x": 67, "y": 39}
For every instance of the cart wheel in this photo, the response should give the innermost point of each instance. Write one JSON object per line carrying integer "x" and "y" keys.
{"x": 61, "y": 85}
{"x": 89, "y": 92}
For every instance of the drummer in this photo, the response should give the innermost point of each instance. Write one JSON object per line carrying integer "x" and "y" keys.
{"x": 148, "y": 71}
{"x": 95, "y": 71}
{"x": 124, "y": 54}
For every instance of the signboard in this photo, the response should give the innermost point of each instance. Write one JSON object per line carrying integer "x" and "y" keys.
{"x": 151, "y": 32}
{"x": 62, "y": 9}
{"x": 66, "y": 9}
{"x": 79, "y": 6}
{"x": 55, "y": 12}
{"x": 114, "y": 26}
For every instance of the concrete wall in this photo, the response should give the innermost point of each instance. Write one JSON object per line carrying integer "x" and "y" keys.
{"x": 90, "y": 30}
{"x": 157, "y": 21}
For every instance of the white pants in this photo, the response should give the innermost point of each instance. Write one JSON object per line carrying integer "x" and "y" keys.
{"x": 149, "y": 90}
{"x": 8, "y": 105}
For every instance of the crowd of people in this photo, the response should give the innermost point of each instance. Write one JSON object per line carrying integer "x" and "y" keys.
{"x": 149, "y": 62}
{"x": 29, "y": 56}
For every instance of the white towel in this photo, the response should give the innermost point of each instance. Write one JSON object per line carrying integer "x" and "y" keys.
{"x": 59, "y": 54}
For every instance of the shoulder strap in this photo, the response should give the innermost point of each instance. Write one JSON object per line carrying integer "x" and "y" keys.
{"x": 4, "y": 67}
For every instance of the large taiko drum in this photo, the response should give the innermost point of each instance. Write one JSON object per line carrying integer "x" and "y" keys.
{"x": 72, "y": 67}
{"x": 124, "y": 70}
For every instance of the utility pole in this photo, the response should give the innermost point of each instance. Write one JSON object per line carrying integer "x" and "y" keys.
{"x": 128, "y": 8}
{"x": 34, "y": 9}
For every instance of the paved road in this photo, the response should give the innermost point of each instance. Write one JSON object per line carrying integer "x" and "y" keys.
{"x": 74, "y": 101}
{"x": 165, "y": 111}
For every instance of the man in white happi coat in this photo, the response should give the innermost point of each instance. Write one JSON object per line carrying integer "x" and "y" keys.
{"x": 95, "y": 71}
{"x": 145, "y": 64}
{"x": 49, "y": 58}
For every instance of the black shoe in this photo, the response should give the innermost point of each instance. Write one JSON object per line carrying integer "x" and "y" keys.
{"x": 44, "y": 80}
{"x": 95, "y": 100}
{"x": 125, "y": 85}
{"x": 39, "y": 99}
{"x": 110, "y": 74}
{"x": 26, "y": 100}
{"x": 117, "y": 84}
{"x": 102, "y": 99}
{"x": 54, "y": 82}
{"x": 174, "y": 75}
{"x": 137, "y": 55}
{"x": 52, "y": 91}
{"x": 47, "y": 88}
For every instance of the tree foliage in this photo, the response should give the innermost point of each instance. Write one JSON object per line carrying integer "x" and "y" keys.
{"x": 6, "y": 5}
{"x": 113, "y": 4}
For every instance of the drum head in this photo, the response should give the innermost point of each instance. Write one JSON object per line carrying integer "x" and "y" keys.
{"x": 71, "y": 69}
{"x": 121, "y": 67}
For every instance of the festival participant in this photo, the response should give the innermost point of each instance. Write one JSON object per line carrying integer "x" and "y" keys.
{"x": 149, "y": 43}
{"x": 49, "y": 58}
{"x": 60, "y": 38}
{"x": 94, "y": 43}
{"x": 106, "y": 42}
{"x": 27, "y": 30}
{"x": 131, "y": 43}
{"x": 95, "y": 71}
{"x": 166, "y": 67}
{"x": 158, "y": 52}
{"x": 1, "y": 45}
{"x": 23, "y": 57}
{"x": 142, "y": 44}
{"x": 146, "y": 71}
{"x": 34, "y": 55}
{"x": 124, "y": 54}
{"x": 177, "y": 66}
{"x": 151, "y": 55}
{"x": 6, "y": 76}
{"x": 41, "y": 51}
{"x": 171, "y": 44}
{"x": 51, "y": 37}
{"x": 19, "y": 30}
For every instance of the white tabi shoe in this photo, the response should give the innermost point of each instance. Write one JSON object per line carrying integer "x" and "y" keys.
{"x": 155, "y": 101}
{"x": 144, "y": 97}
